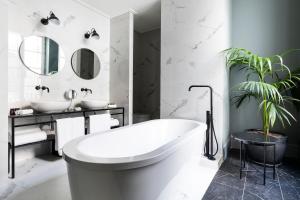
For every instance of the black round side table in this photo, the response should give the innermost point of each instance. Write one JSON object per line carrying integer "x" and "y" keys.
{"x": 256, "y": 139}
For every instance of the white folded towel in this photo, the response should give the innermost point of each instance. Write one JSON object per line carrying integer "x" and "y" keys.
{"x": 24, "y": 112}
{"x": 28, "y": 136}
{"x": 66, "y": 130}
{"x": 99, "y": 123}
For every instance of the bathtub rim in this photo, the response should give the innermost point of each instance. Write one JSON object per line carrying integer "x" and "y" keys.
{"x": 73, "y": 156}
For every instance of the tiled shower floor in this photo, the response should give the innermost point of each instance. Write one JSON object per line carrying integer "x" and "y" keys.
{"x": 227, "y": 185}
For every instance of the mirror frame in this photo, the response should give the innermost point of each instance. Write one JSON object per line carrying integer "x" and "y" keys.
{"x": 74, "y": 69}
{"x": 19, "y": 52}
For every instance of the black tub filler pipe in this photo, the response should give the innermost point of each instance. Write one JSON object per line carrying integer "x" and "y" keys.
{"x": 210, "y": 131}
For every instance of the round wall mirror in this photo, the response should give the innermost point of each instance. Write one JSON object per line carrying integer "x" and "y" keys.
{"x": 41, "y": 55}
{"x": 85, "y": 63}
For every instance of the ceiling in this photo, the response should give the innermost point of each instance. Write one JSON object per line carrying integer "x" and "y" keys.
{"x": 147, "y": 12}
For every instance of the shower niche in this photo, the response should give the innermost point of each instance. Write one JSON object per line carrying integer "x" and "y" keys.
{"x": 135, "y": 66}
{"x": 146, "y": 75}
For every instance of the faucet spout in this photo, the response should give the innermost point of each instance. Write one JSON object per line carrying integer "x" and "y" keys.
{"x": 89, "y": 90}
{"x": 201, "y": 86}
{"x": 45, "y": 88}
{"x": 211, "y": 94}
{"x": 38, "y": 87}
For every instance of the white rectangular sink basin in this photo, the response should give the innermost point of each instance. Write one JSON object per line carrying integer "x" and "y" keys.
{"x": 50, "y": 106}
{"x": 93, "y": 104}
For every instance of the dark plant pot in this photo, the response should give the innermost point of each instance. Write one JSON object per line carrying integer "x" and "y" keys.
{"x": 255, "y": 153}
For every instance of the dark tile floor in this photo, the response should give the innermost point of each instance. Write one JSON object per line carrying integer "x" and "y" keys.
{"x": 227, "y": 184}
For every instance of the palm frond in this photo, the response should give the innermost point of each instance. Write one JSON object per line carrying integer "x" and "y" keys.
{"x": 260, "y": 89}
{"x": 239, "y": 99}
{"x": 267, "y": 85}
{"x": 277, "y": 111}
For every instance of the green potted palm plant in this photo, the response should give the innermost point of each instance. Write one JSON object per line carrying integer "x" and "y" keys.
{"x": 268, "y": 81}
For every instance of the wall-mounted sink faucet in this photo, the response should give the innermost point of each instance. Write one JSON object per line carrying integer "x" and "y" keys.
{"x": 38, "y": 87}
{"x": 86, "y": 90}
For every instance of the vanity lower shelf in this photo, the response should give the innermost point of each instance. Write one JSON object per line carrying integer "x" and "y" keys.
{"x": 49, "y": 119}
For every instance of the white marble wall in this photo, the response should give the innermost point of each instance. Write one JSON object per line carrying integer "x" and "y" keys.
{"x": 24, "y": 20}
{"x": 194, "y": 32}
{"x": 3, "y": 88}
{"x": 146, "y": 73}
{"x": 76, "y": 18}
{"x": 121, "y": 63}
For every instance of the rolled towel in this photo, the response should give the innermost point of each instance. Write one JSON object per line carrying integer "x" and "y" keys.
{"x": 24, "y": 112}
{"x": 46, "y": 127}
{"x": 27, "y": 129}
{"x": 50, "y": 132}
{"x": 29, "y": 137}
{"x": 114, "y": 122}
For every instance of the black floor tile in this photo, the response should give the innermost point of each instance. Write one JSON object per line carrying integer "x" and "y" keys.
{"x": 232, "y": 180}
{"x": 290, "y": 183}
{"x": 290, "y": 193}
{"x": 251, "y": 196}
{"x": 287, "y": 179}
{"x": 227, "y": 184}
{"x": 269, "y": 191}
{"x": 223, "y": 192}
{"x": 220, "y": 174}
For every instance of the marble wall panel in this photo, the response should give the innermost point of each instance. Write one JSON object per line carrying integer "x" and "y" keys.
{"x": 193, "y": 34}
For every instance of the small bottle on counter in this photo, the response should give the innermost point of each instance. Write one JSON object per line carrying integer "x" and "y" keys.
{"x": 111, "y": 105}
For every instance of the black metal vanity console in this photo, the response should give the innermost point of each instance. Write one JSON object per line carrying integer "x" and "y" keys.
{"x": 48, "y": 119}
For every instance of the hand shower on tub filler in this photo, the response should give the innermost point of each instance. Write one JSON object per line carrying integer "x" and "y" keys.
{"x": 210, "y": 132}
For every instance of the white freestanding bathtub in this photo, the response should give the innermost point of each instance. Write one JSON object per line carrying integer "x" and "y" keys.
{"x": 133, "y": 162}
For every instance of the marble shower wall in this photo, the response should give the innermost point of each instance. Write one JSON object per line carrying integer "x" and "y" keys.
{"x": 193, "y": 34}
{"x": 121, "y": 63}
{"x": 146, "y": 73}
{"x": 76, "y": 18}
{"x": 3, "y": 88}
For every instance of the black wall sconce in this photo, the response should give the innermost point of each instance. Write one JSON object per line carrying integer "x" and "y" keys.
{"x": 52, "y": 18}
{"x": 92, "y": 33}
